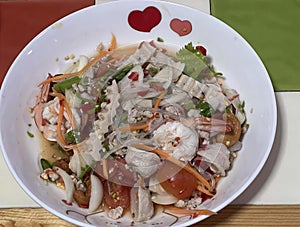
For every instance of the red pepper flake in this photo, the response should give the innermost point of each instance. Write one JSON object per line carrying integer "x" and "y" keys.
{"x": 233, "y": 97}
{"x": 201, "y": 49}
{"x": 108, "y": 101}
{"x": 176, "y": 142}
{"x": 66, "y": 202}
{"x": 134, "y": 76}
{"x": 157, "y": 115}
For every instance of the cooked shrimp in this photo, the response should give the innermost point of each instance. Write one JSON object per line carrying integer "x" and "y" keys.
{"x": 177, "y": 139}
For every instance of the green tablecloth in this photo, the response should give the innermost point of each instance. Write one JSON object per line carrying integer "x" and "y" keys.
{"x": 272, "y": 27}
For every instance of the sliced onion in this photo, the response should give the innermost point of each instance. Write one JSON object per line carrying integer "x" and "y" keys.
{"x": 75, "y": 164}
{"x": 96, "y": 193}
{"x": 69, "y": 185}
{"x": 163, "y": 199}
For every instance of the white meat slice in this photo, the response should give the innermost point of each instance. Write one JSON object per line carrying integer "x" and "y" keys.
{"x": 218, "y": 156}
{"x": 143, "y": 162}
{"x": 140, "y": 56}
{"x": 160, "y": 59}
{"x": 141, "y": 206}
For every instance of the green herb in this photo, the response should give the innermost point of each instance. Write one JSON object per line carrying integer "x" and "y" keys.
{"x": 73, "y": 136}
{"x": 227, "y": 109}
{"x": 66, "y": 84}
{"x": 106, "y": 146}
{"x": 45, "y": 164}
{"x": 241, "y": 106}
{"x": 159, "y": 39}
{"x": 205, "y": 109}
{"x": 30, "y": 134}
{"x": 121, "y": 73}
{"x": 153, "y": 71}
{"x": 195, "y": 62}
{"x": 84, "y": 170}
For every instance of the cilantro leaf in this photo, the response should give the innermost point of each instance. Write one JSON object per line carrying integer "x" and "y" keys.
{"x": 205, "y": 109}
{"x": 195, "y": 62}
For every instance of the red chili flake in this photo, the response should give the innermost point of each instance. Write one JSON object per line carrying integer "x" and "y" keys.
{"x": 157, "y": 115}
{"x": 134, "y": 76}
{"x": 201, "y": 49}
{"x": 177, "y": 139}
{"x": 67, "y": 203}
{"x": 206, "y": 197}
{"x": 83, "y": 206}
{"x": 233, "y": 97}
{"x": 44, "y": 121}
{"x": 108, "y": 101}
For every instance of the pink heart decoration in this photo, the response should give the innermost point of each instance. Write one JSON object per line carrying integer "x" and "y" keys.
{"x": 181, "y": 27}
{"x": 145, "y": 20}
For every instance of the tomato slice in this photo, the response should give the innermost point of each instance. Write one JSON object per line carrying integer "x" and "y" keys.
{"x": 176, "y": 180}
{"x": 117, "y": 172}
{"x": 116, "y": 195}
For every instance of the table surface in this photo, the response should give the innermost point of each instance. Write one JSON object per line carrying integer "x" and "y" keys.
{"x": 272, "y": 199}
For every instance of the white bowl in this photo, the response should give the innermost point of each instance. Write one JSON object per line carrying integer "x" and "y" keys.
{"x": 80, "y": 33}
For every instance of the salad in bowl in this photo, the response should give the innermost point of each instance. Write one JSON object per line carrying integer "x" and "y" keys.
{"x": 162, "y": 119}
{"x": 134, "y": 127}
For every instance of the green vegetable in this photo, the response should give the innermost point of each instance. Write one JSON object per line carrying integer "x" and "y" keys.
{"x": 84, "y": 171}
{"x": 121, "y": 73}
{"x": 30, "y": 134}
{"x": 195, "y": 62}
{"x": 45, "y": 164}
{"x": 159, "y": 39}
{"x": 241, "y": 106}
{"x": 153, "y": 71}
{"x": 106, "y": 146}
{"x": 66, "y": 84}
{"x": 73, "y": 136}
{"x": 205, "y": 109}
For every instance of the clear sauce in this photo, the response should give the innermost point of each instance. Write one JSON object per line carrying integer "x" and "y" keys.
{"x": 50, "y": 150}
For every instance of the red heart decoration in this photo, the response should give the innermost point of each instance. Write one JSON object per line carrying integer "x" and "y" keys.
{"x": 182, "y": 28}
{"x": 145, "y": 20}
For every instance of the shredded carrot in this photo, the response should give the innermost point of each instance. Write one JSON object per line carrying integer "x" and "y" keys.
{"x": 113, "y": 43}
{"x": 70, "y": 115}
{"x": 159, "y": 98}
{"x": 144, "y": 127}
{"x": 61, "y": 97}
{"x": 133, "y": 127}
{"x": 68, "y": 75}
{"x": 165, "y": 155}
{"x": 183, "y": 211}
{"x": 60, "y": 137}
{"x": 205, "y": 191}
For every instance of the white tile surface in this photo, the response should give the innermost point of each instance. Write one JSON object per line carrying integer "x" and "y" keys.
{"x": 278, "y": 182}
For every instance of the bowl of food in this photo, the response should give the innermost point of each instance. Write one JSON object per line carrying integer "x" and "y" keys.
{"x": 155, "y": 114}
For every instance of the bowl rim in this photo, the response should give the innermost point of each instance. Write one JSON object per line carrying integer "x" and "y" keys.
{"x": 113, "y": 3}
